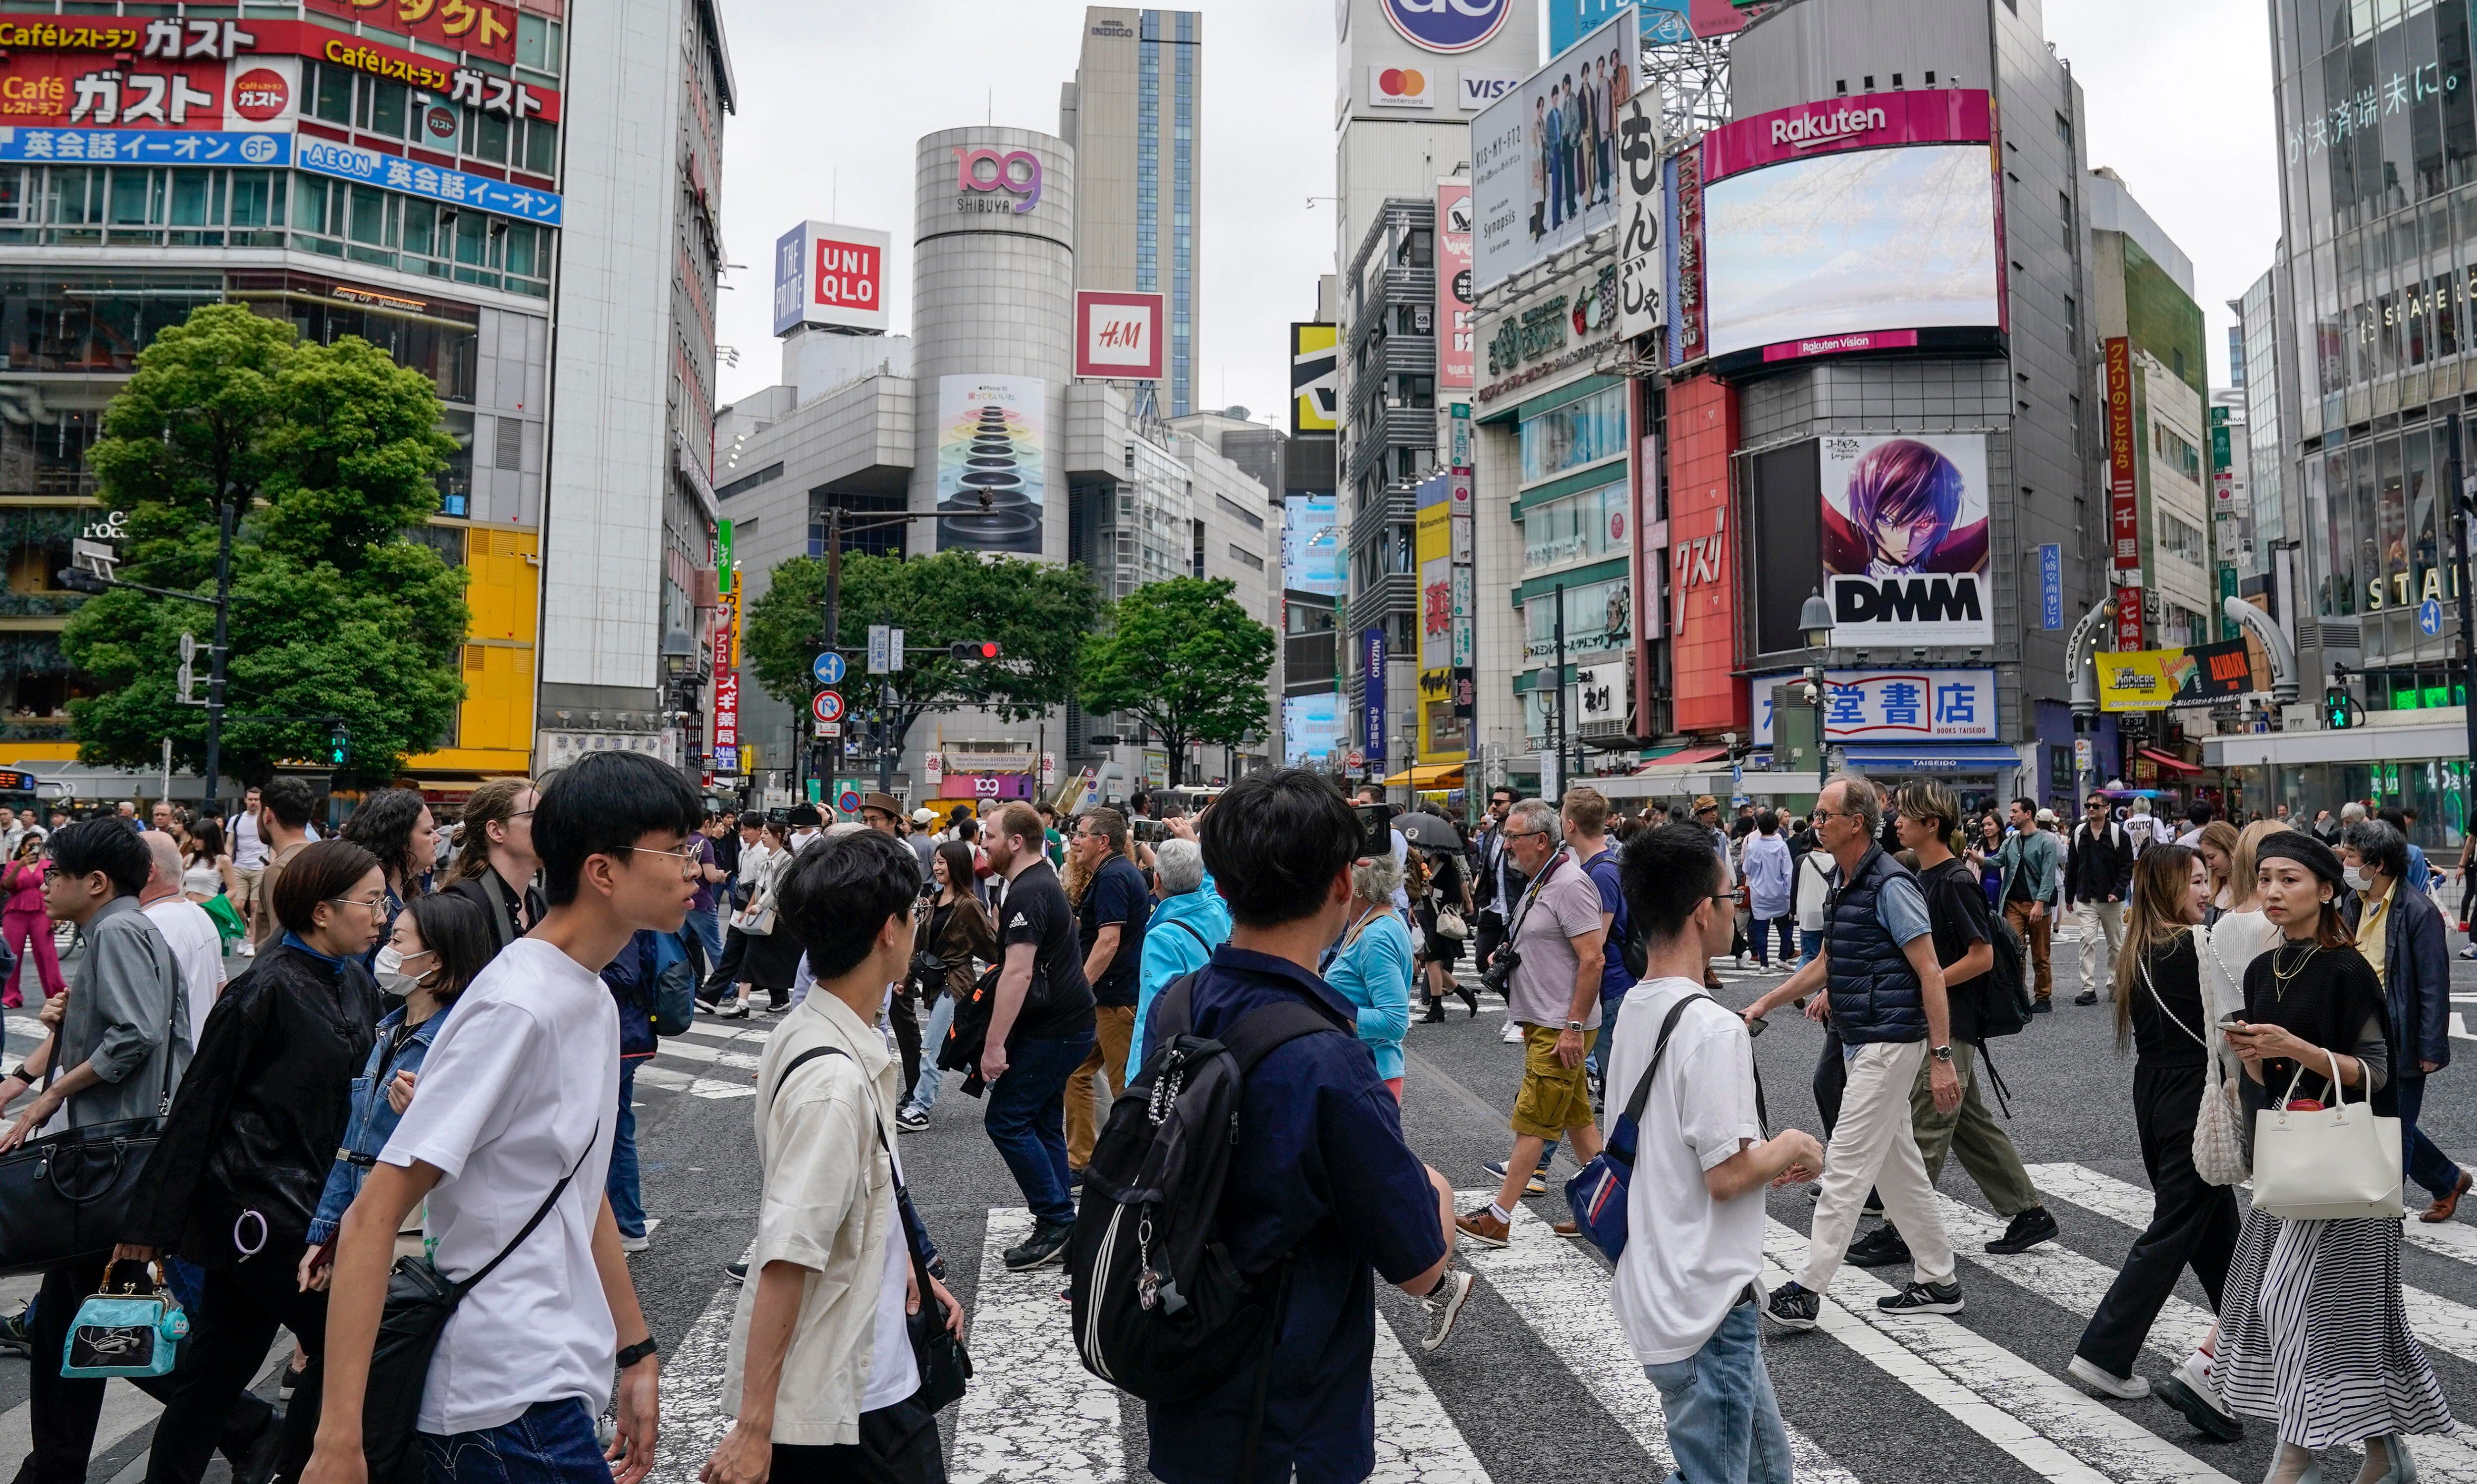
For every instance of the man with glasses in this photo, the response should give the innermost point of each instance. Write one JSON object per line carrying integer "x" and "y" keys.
{"x": 1885, "y": 998}
{"x": 1497, "y": 883}
{"x": 285, "y": 807}
{"x": 1110, "y": 926}
{"x": 2028, "y": 862}
{"x": 2098, "y": 879}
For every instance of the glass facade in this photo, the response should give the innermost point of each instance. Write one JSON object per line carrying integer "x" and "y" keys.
{"x": 1575, "y": 527}
{"x": 1590, "y": 428}
{"x": 2267, "y": 454}
{"x": 1178, "y": 49}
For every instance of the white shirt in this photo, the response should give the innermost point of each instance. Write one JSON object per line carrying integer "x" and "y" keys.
{"x": 1686, "y": 1256}
{"x": 248, "y": 845}
{"x": 521, "y": 1087}
{"x": 197, "y": 948}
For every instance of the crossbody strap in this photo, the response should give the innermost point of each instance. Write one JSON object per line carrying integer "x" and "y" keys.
{"x": 1643, "y": 1088}
{"x": 1522, "y": 913}
{"x": 543, "y": 1210}
{"x": 2141, "y": 965}
{"x": 906, "y": 1215}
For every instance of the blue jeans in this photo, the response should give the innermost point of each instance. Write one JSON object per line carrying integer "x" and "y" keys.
{"x": 551, "y": 1443}
{"x": 1762, "y": 935}
{"x": 1724, "y": 1423}
{"x": 702, "y": 927}
{"x": 626, "y": 1208}
{"x": 2426, "y": 1164}
{"x": 1027, "y": 1120}
{"x": 1810, "y": 944}
{"x": 1609, "y": 1005}
{"x": 941, "y": 1017}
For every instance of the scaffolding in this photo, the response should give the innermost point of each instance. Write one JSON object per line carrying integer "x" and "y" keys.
{"x": 1693, "y": 76}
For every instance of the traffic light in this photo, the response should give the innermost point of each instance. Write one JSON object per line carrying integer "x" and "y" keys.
{"x": 972, "y": 651}
{"x": 339, "y": 742}
{"x": 2338, "y": 708}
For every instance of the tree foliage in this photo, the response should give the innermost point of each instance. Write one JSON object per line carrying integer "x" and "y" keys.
{"x": 1036, "y": 611}
{"x": 331, "y": 452}
{"x": 1183, "y": 657}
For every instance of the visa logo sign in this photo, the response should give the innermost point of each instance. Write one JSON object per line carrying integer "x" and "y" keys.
{"x": 1479, "y": 89}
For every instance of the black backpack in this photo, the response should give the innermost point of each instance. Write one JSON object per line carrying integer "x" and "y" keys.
{"x": 1160, "y": 1309}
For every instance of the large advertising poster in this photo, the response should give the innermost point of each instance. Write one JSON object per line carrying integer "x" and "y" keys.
{"x": 1851, "y": 225}
{"x": 1457, "y": 321}
{"x": 1442, "y": 735}
{"x": 1544, "y": 157}
{"x": 992, "y": 448}
{"x": 1905, "y": 541}
{"x": 1311, "y": 727}
{"x": 1311, "y": 551}
{"x": 1315, "y": 390}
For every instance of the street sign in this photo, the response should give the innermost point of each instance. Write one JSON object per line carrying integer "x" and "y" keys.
{"x": 2429, "y": 617}
{"x": 2084, "y": 754}
{"x": 830, "y": 728}
{"x": 1358, "y": 758}
{"x": 848, "y": 800}
{"x": 827, "y": 668}
{"x": 880, "y": 644}
{"x": 828, "y": 706}
{"x": 894, "y": 649}
{"x": 188, "y": 647}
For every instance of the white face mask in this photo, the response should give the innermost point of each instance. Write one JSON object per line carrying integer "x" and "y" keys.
{"x": 2355, "y": 877}
{"x": 388, "y": 970}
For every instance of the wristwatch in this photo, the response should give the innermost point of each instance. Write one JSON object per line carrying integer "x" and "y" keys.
{"x": 1941, "y": 1054}
{"x": 1574, "y": 1026}
{"x": 636, "y": 1352}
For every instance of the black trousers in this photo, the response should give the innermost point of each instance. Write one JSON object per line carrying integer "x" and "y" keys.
{"x": 898, "y": 1444}
{"x": 1492, "y": 935}
{"x": 905, "y": 1017}
{"x": 63, "y": 1412}
{"x": 1831, "y": 1082}
{"x": 726, "y": 969}
{"x": 2192, "y": 1223}
{"x": 241, "y": 1310}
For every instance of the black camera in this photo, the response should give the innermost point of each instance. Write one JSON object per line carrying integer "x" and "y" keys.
{"x": 1375, "y": 828}
{"x": 1500, "y": 969}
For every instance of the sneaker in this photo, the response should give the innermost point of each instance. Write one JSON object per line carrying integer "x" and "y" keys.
{"x": 1923, "y": 1298}
{"x": 1047, "y": 1245}
{"x": 1537, "y": 1185}
{"x": 2087, "y": 997}
{"x": 1794, "y": 1307}
{"x": 1570, "y": 1230}
{"x": 1445, "y": 1307}
{"x": 1512, "y": 1033}
{"x": 911, "y": 1119}
{"x": 2123, "y": 1388}
{"x": 2471, "y": 952}
{"x": 774, "y": 1008}
{"x": 2043, "y": 1007}
{"x": 1483, "y": 1227}
{"x": 14, "y": 1334}
{"x": 2191, "y": 1391}
{"x": 1881, "y": 1247}
{"x": 643, "y": 1241}
{"x": 739, "y": 1271}
{"x": 2028, "y": 1229}
{"x": 257, "y": 1466}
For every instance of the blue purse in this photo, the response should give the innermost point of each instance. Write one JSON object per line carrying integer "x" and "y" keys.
{"x": 125, "y": 1334}
{"x": 1598, "y": 1194}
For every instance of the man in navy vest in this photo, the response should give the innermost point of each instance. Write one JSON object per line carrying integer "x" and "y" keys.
{"x": 1885, "y": 995}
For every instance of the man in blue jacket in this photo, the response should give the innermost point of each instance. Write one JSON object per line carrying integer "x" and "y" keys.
{"x": 2400, "y": 932}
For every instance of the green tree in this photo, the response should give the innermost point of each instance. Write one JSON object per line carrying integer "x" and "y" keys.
{"x": 1036, "y": 612}
{"x": 331, "y": 453}
{"x": 1184, "y": 660}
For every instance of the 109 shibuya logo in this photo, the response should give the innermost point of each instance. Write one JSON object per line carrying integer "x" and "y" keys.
{"x": 1448, "y": 25}
{"x": 1016, "y": 173}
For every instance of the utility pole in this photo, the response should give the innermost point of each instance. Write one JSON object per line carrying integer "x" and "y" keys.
{"x": 1560, "y": 694}
{"x": 2460, "y": 502}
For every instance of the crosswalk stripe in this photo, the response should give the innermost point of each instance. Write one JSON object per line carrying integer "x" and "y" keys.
{"x": 2054, "y": 1430}
{"x": 692, "y": 1050}
{"x": 1416, "y": 1441}
{"x": 1032, "y": 1411}
{"x": 693, "y": 1419}
{"x": 2446, "y": 1325}
{"x": 651, "y": 1075}
{"x": 1562, "y": 1294}
{"x": 2120, "y": 1200}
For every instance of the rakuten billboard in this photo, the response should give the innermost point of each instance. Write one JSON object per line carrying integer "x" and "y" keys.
{"x": 1854, "y": 225}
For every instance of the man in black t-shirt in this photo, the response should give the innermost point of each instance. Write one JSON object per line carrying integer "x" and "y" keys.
{"x": 1041, "y": 1030}
{"x": 1109, "y": 926}
{"x": 1962, "y": 926}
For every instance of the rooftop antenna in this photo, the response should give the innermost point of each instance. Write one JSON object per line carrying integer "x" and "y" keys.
{"x": 992, "y": 100}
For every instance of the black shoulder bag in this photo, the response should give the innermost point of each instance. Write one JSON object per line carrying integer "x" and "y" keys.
{"x": 419, "y": 1302}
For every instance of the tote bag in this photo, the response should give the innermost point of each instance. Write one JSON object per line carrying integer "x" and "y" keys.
{"x": 2338, "y": 1164}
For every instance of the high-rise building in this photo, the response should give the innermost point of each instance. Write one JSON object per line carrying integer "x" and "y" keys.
{"x": 1134, "y": 116}
{"x": 404, "y": 175}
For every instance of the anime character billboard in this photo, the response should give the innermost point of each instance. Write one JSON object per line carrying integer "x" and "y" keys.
{"x": 1905, "y": 541}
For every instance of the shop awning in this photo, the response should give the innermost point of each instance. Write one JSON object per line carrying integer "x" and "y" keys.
{"x": 1963, "y": 758}
{"x": 1448, "y": 775}
{"x": 1681, "y": 761}
{"x": 2168, "y": 760}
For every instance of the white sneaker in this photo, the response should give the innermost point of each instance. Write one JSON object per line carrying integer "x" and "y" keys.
{"x": 2123, "y": 1388}
{"x": 1512, "y": 1033}
{"x": 628, "y": 1243}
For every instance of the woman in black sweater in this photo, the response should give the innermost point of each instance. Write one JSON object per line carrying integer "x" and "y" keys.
{"x": 2159, "y": 1013}
{"x": 235, "y": 1178}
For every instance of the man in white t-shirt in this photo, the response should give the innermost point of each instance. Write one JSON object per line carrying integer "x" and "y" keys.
{"x": 196, "y": 947}
{"x": 520, "y": 1093}
{"x": 1687, "y": 1292}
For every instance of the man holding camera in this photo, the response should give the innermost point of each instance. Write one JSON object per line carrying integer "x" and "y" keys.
{"x": 1551, "y": 973}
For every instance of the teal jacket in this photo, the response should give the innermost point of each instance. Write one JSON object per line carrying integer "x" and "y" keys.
{"x": 2034, "y": 855}
{"x": 1373, "y": 972}
{"x": 1203, "y": 921}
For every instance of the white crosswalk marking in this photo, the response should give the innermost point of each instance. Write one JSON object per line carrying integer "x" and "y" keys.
{"x": 693, "y": 1419}
{"x": 698, "y": 1051}
{"x": 1562, "y": 1293}
{"x": 2051, "y": 1428}
{"x": 1416, "y": 1441}
{"x": 1032, "y": 1411}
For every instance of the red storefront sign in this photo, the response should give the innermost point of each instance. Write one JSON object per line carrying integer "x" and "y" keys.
{"x": 481, "y": 27}
{"x": 2123, "y": 496}
{"x": 726, "y": 669}
{"x": 1702, "y": 436}
{"x": 99, "y": 93}
{"x": 2128, "y": 620}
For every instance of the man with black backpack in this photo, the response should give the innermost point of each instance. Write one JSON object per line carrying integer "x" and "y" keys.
{"x": 1964, "y": 932}
{"x": 1255, "y": 1361}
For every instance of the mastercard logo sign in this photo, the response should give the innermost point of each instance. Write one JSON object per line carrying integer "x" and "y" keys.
{"x": 1399, "y": 87}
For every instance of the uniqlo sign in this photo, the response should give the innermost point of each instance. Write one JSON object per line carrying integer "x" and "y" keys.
{"x": 1118, "y": 336}
{"x": 830, "y": 275}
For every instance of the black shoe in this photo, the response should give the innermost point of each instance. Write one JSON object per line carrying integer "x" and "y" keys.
{"x": 2196, "y": 1409}
{"x": 1881, "y": 1247}
{"x": 2029, "y": 1228}
{"x": 266, "y": 1452}
{"x": 1794, "y": 1307}
{"x": 291, "y": 1383}
{"x": 739, "y": 1271}
{"x": 1046, "y": 1244}
{"x": 1436, "y": 1015}
{"x": 1923, "y": 1298}
{"x": 2043, "y": 1007}
{"x": 1468, "y": 997}
{"x": 1074, "y": 1180}
{"x": 2087, "y": 997}
{"x": 14, "y": 1334}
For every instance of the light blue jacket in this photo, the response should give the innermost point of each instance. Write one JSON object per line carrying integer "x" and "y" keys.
{"x": 1202, "y": 922}
{"x": 374, "y": 1119}
{"x": 1372, "y": 970}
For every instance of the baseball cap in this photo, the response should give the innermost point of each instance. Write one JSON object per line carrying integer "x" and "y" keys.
{"x": 924, "y": 815}
{"x": 2046, "y": 816}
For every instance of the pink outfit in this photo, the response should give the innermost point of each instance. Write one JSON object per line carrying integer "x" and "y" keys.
{"x": 26, "y": 931}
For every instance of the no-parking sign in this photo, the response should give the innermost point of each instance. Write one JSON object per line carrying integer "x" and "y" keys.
{"x": 828, "y": 706}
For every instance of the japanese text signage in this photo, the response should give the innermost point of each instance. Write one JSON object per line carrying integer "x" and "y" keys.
{"x": 152, "y": 146}
{"x": 435, "y": 182}
{"x": 2154, "y": 680}
{"x": 1641, "y": 207}
{"x": 483, "y": 27}
{"x": 1684, "y": 258}
{"x": 1876, "y": 705}
{"x": 1372, "y": 674}
{"x": 2364, "y": 111}
{"x": 2123, "y": 494}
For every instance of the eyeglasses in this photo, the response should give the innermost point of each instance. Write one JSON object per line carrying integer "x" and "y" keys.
{"x": 375, "y": 903}
{"x": 1521, "y": 834}
{"x": 1837, "y": 814}
{"x": 687, "y": 858}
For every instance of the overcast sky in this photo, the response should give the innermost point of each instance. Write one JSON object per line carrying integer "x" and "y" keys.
{"x": 835, "y": 94}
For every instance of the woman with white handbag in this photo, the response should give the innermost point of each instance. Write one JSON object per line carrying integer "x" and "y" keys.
{"x": 2193, "y": 1223}
{"x": 2312, "y": 1330}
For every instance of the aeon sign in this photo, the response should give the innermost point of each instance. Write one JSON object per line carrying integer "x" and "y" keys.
{"x": 985, "y": 171}
{"x": 1448, "y": 25}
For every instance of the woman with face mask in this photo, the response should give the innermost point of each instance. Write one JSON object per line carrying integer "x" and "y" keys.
{"x": 438, "y": 946}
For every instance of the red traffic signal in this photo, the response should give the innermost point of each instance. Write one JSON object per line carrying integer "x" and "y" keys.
{"x": 973, "y": 651}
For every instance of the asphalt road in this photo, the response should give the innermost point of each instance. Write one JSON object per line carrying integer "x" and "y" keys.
{"x": 1534, "y": 1383}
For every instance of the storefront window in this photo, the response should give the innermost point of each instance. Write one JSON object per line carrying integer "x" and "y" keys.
{"x": 1575, "y": 527}
{"x": 72, "y": 320}
{"x": 1585, "y": 430}
{"x": 1597, "y": 614}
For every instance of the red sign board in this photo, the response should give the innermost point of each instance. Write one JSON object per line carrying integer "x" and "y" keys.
{"x": 1118, "y": 336}
{"x": 484, "y": 28}
{"x": 1950, "y": 115}
{"x": 97, "y": 92}
{"x": 2128, "y": 620}
{"x": 1701, "y": 438}
{"x": 2123, "y": 494}
{"x": 726, "y": 709}
{"x": 828, "y": 706}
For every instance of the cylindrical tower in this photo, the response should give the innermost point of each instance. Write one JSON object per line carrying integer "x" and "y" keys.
{"x": 992, "y": 325}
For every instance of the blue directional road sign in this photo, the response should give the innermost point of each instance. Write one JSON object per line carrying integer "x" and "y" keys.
{"x": 2429, "y": 617}
{"x": 827, "y": 668}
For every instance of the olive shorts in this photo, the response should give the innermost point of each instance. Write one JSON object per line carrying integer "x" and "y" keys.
{"x": 1554, "y": 1096}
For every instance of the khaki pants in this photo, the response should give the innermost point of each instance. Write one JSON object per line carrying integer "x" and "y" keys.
{"x": 2039, "y": 935}
{"x": 248, "y": 888}
{"x": 2100, "y": 921}
{"x": 1873, "y": 1144}
{"x": 1987, "y": 1151}
{"x": 1114, "y": 1027}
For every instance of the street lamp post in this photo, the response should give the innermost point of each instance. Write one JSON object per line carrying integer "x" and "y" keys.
{"x": 1815, "y": 619}
{"x": 679, "y": 667}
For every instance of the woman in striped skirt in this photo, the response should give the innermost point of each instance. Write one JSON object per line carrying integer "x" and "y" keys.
{"x": 2312, "y": 1332}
